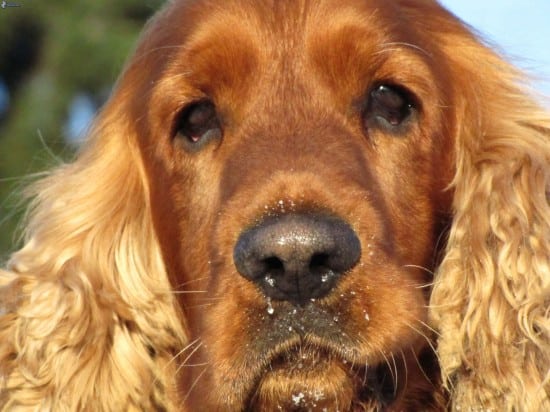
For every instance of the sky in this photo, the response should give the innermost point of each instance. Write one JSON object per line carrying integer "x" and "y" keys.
{"x": 520, "y": 28}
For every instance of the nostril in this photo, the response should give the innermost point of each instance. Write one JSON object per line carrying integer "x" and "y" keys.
{"x": 273, "y": 266}
{"x": 319, "y": 263}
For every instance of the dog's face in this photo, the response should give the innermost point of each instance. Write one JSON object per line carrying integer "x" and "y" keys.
{"x": 297, "y": 155}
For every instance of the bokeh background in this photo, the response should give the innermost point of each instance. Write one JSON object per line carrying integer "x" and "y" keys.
{"x": 60, "y": 58}
{"x": 58, "y": 62}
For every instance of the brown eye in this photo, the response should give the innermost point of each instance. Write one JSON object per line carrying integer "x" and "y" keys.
{"x": 388, "y": 107}
{"x": 197, "y": 125}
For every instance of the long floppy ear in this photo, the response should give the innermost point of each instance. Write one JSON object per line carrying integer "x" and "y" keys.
{"x": 87, "y": 320}
{"x": 491, "y": 298}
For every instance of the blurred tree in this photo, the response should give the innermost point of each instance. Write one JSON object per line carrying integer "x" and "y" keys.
{"x": 50, "y": 53}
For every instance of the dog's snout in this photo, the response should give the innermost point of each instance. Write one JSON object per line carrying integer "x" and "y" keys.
{"x": 297, "y": 257}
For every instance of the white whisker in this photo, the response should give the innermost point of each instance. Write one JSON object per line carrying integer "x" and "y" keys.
{"x": 396, "y": 381}
{"x": 191, "y": 281}
{"x": 194, "y": 383}
{"x": 188, "y": 357}
{"x": 204, "y": 305}
{"x": 406, "y": 369}
{"x": 420, "y": 267}
{"x": 423, "y": 335}
{"x": 394, "y": 378}
{"x": 189, "y": 345}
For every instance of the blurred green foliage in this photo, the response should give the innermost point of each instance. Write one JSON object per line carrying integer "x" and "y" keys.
{"x": 51, "y": 51}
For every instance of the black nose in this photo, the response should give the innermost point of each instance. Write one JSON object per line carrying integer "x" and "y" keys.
{"x": 297, "y": 257}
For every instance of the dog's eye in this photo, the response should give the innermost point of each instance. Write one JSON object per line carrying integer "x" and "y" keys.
{"x": 197, "y": 125}
{"x": 388, "y": 107}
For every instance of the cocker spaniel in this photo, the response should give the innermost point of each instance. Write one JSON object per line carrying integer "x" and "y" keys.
{"x": 293, "y": 205}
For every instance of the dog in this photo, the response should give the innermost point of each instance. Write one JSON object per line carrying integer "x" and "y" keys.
{"x": 292, "y": 205}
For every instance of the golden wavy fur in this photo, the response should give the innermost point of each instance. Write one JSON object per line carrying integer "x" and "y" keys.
{"x": 384, "y": 128}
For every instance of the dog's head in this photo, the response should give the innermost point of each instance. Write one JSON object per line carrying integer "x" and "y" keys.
{"x": 298, "y": 156}
{"x": 309, "y": 167}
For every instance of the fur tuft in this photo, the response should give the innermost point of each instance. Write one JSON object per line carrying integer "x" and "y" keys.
{"x": 88, "y": 294}
{"x": 492, "y": 292}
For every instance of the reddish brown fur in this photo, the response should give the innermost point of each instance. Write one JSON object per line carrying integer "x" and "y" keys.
{"x": 438, "y": 301}
{"x": 288, "y": 89}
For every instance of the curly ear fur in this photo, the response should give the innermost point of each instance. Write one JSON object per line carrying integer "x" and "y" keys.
{"x": 87, "y": 306}
{"x": 491, "y": 298}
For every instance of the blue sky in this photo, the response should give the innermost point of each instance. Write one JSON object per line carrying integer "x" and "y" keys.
{"x": 521, "y": 28}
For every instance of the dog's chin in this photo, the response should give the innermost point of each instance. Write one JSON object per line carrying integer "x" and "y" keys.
{"x": 316, "y": 380}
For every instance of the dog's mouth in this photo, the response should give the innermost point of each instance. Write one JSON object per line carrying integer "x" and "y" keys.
{"x": 305, "y": 377}
{"x": 308, "y": 361}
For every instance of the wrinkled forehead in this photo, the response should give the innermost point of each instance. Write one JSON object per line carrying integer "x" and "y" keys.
{"x": 234, "y": 48}
{"x": 190, "y": 36}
